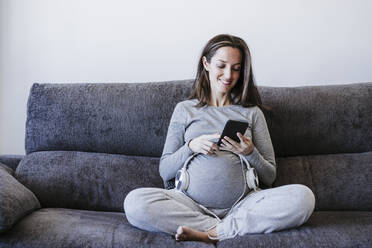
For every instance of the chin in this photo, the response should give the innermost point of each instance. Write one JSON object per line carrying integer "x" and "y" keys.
{"x": 225, "y": 90}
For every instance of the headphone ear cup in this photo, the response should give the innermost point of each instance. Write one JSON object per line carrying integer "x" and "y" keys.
{"x": 182, "y": 179}
{"x": 187, "y": 179}
{"x": 252, "y": 178}
{"x": 250, "y": 175}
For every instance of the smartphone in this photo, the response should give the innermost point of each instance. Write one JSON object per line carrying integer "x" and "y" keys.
{"x": 231, "y": 128}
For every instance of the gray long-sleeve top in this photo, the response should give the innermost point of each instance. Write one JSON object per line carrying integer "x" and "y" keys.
{"x": 188, "y": 122}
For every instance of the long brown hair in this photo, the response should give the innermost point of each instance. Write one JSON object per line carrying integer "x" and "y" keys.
{"x": 245, "y": 92}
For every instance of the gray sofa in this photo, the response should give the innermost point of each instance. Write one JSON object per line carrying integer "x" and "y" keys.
{"x": 88, "y": 145}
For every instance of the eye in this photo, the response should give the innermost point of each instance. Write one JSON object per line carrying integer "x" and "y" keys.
{"x": 220, "y": 66}
{"x": 236, "y": 68}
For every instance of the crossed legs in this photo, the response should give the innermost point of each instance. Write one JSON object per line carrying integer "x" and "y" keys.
{"x": 263, "y": 211}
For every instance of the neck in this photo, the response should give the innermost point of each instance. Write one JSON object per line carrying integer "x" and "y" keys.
{"x": 220, "y": 100}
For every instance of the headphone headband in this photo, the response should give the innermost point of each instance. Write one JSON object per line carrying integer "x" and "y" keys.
{"x": 243, "y": 160}
{"x": 186, "y": 164}
{"x": 183, "y": 178}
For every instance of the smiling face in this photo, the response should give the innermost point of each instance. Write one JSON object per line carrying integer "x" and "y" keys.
{"x": 224, "y": 70}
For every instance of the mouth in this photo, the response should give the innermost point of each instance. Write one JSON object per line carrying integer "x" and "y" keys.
{"x": 225, "y": 82}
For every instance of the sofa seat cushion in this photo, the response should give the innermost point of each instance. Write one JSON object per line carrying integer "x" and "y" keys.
{"x": 56, "y": 227}
{"x": 59, "y": 227}
{"x": 83, "y": 180}
{"x": 323, "y": 229}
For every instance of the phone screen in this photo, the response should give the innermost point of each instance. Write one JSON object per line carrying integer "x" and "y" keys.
{"x": 231, "y": 128}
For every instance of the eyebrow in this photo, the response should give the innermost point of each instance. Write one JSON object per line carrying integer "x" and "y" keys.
{"x": 225, "y": 62}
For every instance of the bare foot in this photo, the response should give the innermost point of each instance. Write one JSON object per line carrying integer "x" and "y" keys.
{"x": 185, "y": 233}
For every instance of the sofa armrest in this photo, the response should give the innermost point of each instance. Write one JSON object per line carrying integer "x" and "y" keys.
{"x": 11, "y": 161}
{"x": 16, "y": 201}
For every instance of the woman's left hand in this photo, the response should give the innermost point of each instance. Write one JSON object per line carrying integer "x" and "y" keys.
{"x": 245, "y": 147}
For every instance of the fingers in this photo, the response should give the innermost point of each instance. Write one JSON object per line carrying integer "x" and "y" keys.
{"x": 213, "y": 145}
{"x": 212, "y": 136}
{"x": 209, "y": 147}
{"x": 244, "y": 147}
{"x": 203, "y": 144}
{"x": 226, "y": 146}
{"x": 241, "y": 137}
{"x": 229, "y": 141}
{"x": 207, "y": 150}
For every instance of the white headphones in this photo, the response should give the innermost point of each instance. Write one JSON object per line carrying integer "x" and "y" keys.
{"x": 183, "y": 177}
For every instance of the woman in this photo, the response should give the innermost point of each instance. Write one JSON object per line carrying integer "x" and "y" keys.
{"x": 217, "y": 204}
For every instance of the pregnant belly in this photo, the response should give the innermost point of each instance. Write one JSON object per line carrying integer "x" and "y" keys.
{"x": 216, "y": 181}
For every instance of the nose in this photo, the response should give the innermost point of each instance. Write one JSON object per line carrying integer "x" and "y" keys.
{"x": 227, "y": 74}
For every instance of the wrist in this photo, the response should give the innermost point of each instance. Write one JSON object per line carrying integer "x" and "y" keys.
{"x": 249, "y": 152}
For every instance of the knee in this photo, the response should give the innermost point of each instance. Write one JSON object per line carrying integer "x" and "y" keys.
{"x": 135, "y": 204}
{"x": 304, "y": 199}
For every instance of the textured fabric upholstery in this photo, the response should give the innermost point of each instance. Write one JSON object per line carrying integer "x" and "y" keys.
{"x": 97, "y": 181}
{"x": 6, "y": 169}
{"x": 68, "y": 228}
{"x": 88, "y": 145}
{"x": 129, "y": 119}
{"x": 16, "y": 201}
{"x": 132, "y": 119}
{"x": 341, "y": 229}
{"x": 339, "y": 181}
{"x": 82, "y": 180}
{"x": 314, "y": 120}
{"x": 11, "y": 161}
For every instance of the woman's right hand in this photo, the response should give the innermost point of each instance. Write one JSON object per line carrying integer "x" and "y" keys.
{"x": 203, "y": 144}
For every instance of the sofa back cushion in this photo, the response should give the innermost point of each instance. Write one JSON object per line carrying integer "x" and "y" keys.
{"x": 96, "y": 181}
{"x": 312, "y": 120}
{"x": 129, "y": 119}
{"x": 339, "y": 181}
{"x": 133, "y": 119}
{"x": 82, "y": 180}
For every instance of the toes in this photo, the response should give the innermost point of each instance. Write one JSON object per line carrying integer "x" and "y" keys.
{"x": 177, "y": 237}
{"x": 179, "y": 233}
{"x": 180, "y": 237}
{"x": 180, "y": 230}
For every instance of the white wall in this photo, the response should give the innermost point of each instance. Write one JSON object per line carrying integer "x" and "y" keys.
{"x": 292, "y": 43}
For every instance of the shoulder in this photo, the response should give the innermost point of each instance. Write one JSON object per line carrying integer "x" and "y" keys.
{"x": 258, "y": 115}
{"x": 186, "y": 104}
{"x": 253, "y": 113}
{"x": 257, "y": 110}
{"x": 254, "y": 110}
{"x": 182, "y": 109}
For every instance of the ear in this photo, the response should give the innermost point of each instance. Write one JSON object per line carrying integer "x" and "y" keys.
{"x": 205, "y": 63}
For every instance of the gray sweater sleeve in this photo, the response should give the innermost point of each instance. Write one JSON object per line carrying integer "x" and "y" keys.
{"x": 175, "y": 151}
{"x": 262, "y": 158}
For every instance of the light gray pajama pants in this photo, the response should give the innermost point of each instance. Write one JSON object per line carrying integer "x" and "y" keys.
{"x": 262, "y": 211}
